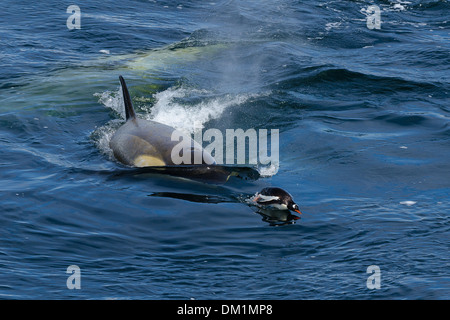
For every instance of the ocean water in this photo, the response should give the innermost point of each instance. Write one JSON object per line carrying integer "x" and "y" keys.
{"x": 364, "y": 128}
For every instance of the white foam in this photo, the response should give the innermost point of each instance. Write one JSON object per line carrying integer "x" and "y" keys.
{"x": 170, "y": 110}
{"x": 102, "y": 135}
{"x": 399, "y": 6}
{"x": 112, "y": 100}
{"x": 332, "y": 25}
{"x": 408, "y": 203}
{"x": 269, "y": 171}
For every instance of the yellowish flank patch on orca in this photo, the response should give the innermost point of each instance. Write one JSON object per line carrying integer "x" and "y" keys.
{"x": 148, "y": 161}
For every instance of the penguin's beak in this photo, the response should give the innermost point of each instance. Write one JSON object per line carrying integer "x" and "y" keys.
{"x": 297, "y": 217}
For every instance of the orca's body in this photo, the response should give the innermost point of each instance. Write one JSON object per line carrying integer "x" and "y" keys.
{"x": 148, "y": 145}
{"x": 144, "y": 143}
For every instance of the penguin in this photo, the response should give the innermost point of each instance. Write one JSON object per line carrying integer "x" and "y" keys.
{"x": 276, "y": 202}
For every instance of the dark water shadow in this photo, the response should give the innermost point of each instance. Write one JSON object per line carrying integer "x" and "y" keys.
{"x": 205, "y": 184}
{"x": 272, "y": 217}
{"x": 193, "y": 197}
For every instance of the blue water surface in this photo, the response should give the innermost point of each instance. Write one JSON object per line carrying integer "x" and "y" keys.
{"x": 364, "y": 128}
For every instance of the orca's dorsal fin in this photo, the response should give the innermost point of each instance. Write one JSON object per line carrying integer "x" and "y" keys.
{"x": 129, "y": 111}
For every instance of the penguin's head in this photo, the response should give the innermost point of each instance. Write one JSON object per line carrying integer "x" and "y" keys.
{"x": 294, "y": 207}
